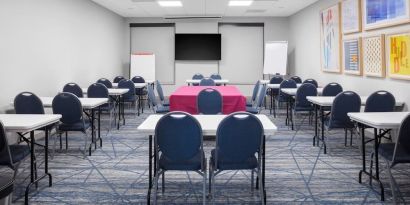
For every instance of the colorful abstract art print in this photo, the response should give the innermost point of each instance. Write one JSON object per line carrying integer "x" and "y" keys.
{"x": 374, "y": 63}
{"x": 352, "y": 57}
{"x": 351, "y": 18}
{"x": 383, "y": 13}
{"x": 398, "y": 56}
{"x": 330, "y": 39}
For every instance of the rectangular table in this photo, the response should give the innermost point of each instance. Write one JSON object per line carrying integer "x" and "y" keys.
{"x": 379, "y": 121}
{"x": 221, "y": 81}
{"x": 185, "y": 99}
{"x": 137, "y": 85}
{"x": 209, "y": 125}
{"x": 29, "y": 123}
{"x": 321, "y": 102}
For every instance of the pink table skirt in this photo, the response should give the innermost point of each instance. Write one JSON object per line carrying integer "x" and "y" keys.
{"x": 184, "y": 99}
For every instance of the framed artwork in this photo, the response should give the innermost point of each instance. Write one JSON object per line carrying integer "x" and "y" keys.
{"x": 398, "y": 56}
{"x": 351, "y": 16}
{"x": 383, "y": 13}
{"x": 330, "y": 39}
{"x": 374, "y": 61}
{"x": 352, "y": 57}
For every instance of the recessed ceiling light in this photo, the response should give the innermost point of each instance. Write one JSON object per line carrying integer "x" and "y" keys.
{"x": 240, "y": 3}
{"x": 170, "y": 3}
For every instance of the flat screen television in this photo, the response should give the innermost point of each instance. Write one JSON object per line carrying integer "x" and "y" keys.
{"x": 197, "y": 46}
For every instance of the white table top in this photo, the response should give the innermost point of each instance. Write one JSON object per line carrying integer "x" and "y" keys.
{"x": 27, "y": 123}
{"x": 112, "y": 91}
{"x": 209, "y": 124}
{"x": 380, "y": 120}
{"x": 87, "y": 103}
{"x": 221, "y": 81}
{"x": 292, "y": 91}
{"x": 137, "y": 85}
{"x": 277, "y": 86}
{"x": 326, "y": 101}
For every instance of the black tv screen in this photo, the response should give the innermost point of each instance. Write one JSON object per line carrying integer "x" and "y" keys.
{"x": 197, "y": 46}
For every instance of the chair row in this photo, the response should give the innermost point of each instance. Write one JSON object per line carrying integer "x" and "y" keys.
{"x": 206, "y": 81}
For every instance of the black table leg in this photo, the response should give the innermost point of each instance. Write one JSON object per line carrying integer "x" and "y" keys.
{"x": 263, "y": 167}
{"x": 291, "y": 111}
{"x": 376, "y": 153}
{"x": 363, "y": 154}
{"x": 99, "y": 125}
{"x": 119, "y": 111}
{"x": 93, "y": 129}
{"x": 149, "y": 170}
{"x": 322, "y": 115}
{"x": 123, "y": 111}
{"x": 316, "y": 134}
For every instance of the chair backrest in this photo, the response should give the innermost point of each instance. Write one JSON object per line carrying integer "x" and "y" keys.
{"x": 332, "y": 89}
{"x": 74, "y": 89}
{"x": 261, "y": 96}
{"x": 276, "y": 79}
{"x": 105, "y": 82}
{"x": 255, "y": 91}
{"x": 238, "y": 137}
{"x": 380, "y": 101}
{"x": 138, "y": 79}
{"x": 69, "y": 107}
{"x": 312, "y": 81}
{"x": 209, "y": 102}
{"x": 403, "y": 140}
{"x": 287, "y": 84}
{"x": 303, "y": 91}
{"x": 207, "y": 82}
{"x": 216, "y": 76}
{"x": 297, "y": 79}
{"x": 97, "y": 90}
{"x": 345, "y": 102}
{"x": 118, "y": 79}
{"x": 131, "y": 88}
{"x": 159, "y": 90}
{"x": 4, "y": 147}
{"x": 197, "y": 76}
{"x": 28, "y": 103}
{"x": 151, "y": 96}
{"x": 179, "y": 136}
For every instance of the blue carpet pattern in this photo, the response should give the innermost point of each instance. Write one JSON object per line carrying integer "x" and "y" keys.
{"x": 296, "y": 172}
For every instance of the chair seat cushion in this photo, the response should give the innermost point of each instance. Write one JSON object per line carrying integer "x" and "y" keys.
{"x": 6, "y": 182}
{"x": 303, "y": 109}
{"x": 107, "y": 107}
{"x": 386, "y": 150}
{"x": 130, "y": 99}
{"x": 252, "y": 110}
{"x": 162, "y": 109}
{"x": 250, "y": 163}
{"x": 79, "y": 126}
{"x": 337, "y": 124}
{"x": 189, "y": 165}
{"x": 17, "y": 152}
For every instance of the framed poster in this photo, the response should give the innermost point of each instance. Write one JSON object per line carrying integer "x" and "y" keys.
{"x": 398, "y": 56}
{"x": 351, "y": 16}
{"x": 384, "y": 13}
{"x": 330, "y": 39}
{"x": 374, "y": 61}
{"x": 352, "y": 57}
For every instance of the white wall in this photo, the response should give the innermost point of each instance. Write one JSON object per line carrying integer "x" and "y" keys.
{"x": 45, "y": 44}
{"x": 305, "y": 55}
{"x": 276, "y": 29}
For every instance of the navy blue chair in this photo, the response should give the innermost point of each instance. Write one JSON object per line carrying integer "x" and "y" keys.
{"x": 178, "y": 137}
{"x": 332, "y": 89}
{"x": 312, "y": 81}
{"x": 239, "y": 139}
{"x": 345, "y": 102}
{"x": 380, "y": 101}
{"x": 216, "y": 76}
{"x": 397, "y": 153}
{"x": 207, "y": 82}
{"x": 156, "y": 107}
{"x": 197, "y": 76}
{"x": 297, "y": 79}
{"x": 74, "y": 89}
{"x": 301, "y": 102}
{"x": 105, "y": 82}
{"x": 6, "y": 185}
{"x": 257, "y": 107}
{"x": 118, "y": 79}
{"x": 161, "y": 94}
{"x": 254, "y": 94}
{"x": 283, "y": 97}
{"x": 140, "y": 92}
{"x": 72, "y": 120}
{"x": 98, "y": 90}
{"x": 129, "y": 97}
{"x": 273, "y": 93}
{"x": 209, "y": 102}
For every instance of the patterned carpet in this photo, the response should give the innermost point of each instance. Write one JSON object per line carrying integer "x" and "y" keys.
{"x": 296, "y": 173}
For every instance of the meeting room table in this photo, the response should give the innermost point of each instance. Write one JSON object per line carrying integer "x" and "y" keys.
{"x": 217, "y": 81}
{"x": 185, "y": 99}
{"x": 22, "y": 123}
{"x": 209, "y": 125}
{"x": 382, "y": 123}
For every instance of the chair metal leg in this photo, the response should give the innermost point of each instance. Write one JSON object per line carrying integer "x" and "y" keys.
{"x": 345, "y": 137}
{"x": 392, "y": 182}
{"x": 163, "y": 183}
{"x": 351, "y": 137}
{"x": 252, "y": 177}
{"x": 155, "y": 189}
{"x": 204, "y": 188}
{"x": 66, "y": 140}
{"x": 261, "y": 188}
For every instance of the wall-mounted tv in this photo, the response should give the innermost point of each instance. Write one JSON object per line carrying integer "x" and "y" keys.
{"x": 197, "y": 46}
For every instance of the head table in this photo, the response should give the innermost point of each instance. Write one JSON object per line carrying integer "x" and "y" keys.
{"x": 185, "y": 99}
